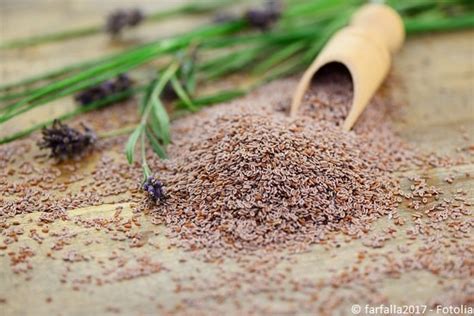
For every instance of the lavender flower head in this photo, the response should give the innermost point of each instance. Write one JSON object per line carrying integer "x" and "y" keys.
{"x": 121, "y": 19}
{"x": 65, "y": 142}
{"x": 154, "y": 188}
{"x": 104, "y": 90}
{"x": 264, "y": 18}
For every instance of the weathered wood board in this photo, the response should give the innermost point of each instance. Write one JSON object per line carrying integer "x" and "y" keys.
{"x": 435, "y": 76}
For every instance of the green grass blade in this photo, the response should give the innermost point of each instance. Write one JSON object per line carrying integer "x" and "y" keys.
{"x": 219, "y": 97}
{"x": 49, "y": 38}
{"x": 155, "y": 106}
{"x": 183, "y": 96}
{"x": 233, "y": 62}
{"x": 192, "y": 8}
{"x": 155, "y": 145}
{"x": 160, "y": 114}
{"x": 413, "y": 25}
{"x": 79, "y": 110}
{"x": 10, "y": 110}
{"x": 278, "y": 57}
{"x": 146, "y": 168}
{"x": 138, "y": 57}
{"x": 132, "y": 142}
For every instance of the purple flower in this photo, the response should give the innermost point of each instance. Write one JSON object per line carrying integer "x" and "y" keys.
{"x": 66, "y": 142}
{"x": 104, "y": 90}
{"x": 121, "y": 19}
{"x": 264, "y": 18}
{"x": 154, "y": 188}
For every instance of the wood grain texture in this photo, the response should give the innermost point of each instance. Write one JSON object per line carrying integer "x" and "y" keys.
{"x": 435, "y": 78}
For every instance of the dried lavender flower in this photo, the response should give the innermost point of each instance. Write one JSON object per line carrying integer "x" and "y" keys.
{"x": 154, "y": 188}
{"x": 122, "y": 83}
{"x": 135, "y": 17}
{"x": 264, "y": 18}
{"x": 121, "y": 19}
{"x": 116, "y": 21}
{"x": 104, "y": 90}
{"x": 66, "y": 142}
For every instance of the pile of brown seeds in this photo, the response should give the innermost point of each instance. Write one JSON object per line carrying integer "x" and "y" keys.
{"x": 245, "y": 176}
{"x": 253, "y": 180}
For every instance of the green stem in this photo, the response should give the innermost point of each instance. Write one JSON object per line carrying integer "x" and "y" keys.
{"x": 192, "y": 8}
{"x": 155, "y": 94}
{"x": 127, "y": 61}
{"x": 48, "y": 75}
{"x": 414, "y": 25}
{"x": 75, "y": 112}
{"x": 287, "y": 48}
{"x": 20, "y": 108}
{"x": 146, "y": 168}
{"x": 186, "y": 9}
{"x": 279, "y": 56}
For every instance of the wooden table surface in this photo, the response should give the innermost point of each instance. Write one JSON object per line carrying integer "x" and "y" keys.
{"x": 435, "y": 79}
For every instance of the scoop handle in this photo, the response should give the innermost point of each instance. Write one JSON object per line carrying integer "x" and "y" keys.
{"x": 365, "y": 47}
{"x": 382, "y": 22}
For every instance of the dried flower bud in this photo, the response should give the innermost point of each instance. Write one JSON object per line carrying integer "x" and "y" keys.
{"x": 264, "y": 18}
{"x": 121, "y": 19}
{"x": 104, "y": 90}
{"x": 135, "y": 17}
{"x": 122, "y": 83}
{"x": 116, "y": 21}
{"x": 66, "y": 142}
{"x": 154, "y": 188}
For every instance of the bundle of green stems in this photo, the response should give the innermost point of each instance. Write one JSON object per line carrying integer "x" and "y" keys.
{"x": 209, "y": 53}
{"x": 196, "y": 8}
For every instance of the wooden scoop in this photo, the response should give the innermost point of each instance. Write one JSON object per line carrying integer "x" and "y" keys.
{"x": 364, "y": 47}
